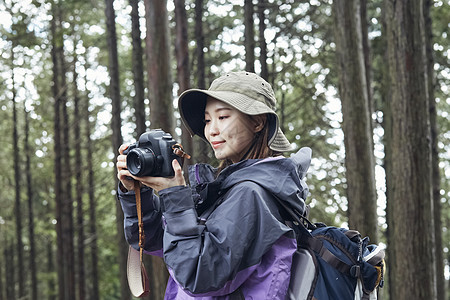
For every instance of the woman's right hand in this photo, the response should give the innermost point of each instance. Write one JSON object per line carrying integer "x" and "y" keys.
{"x": 122, "y": 172}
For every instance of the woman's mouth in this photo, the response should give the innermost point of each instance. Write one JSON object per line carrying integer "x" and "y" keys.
{"x": 216, "y": 145}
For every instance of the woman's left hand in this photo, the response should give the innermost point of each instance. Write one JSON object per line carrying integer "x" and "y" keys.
{"x": 160, "y": 183}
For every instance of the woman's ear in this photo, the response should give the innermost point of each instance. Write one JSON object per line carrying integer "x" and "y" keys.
{"x": 260, "y": 122}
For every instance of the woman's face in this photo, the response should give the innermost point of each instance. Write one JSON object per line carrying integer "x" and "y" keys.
{"x": 229, "y": 131}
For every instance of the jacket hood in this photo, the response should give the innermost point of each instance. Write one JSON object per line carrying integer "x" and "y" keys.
{"x": 282, "y": 177}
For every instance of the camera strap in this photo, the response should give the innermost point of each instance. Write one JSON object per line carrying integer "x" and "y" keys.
{"x": 136, "y": 273}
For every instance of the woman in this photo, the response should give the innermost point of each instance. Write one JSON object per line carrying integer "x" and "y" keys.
{"x": 225, "y": 236}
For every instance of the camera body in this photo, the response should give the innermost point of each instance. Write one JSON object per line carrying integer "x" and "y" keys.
{"x": 152, "y": 155}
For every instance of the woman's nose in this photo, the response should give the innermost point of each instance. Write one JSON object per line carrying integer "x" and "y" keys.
{"x": 213, "y": 129}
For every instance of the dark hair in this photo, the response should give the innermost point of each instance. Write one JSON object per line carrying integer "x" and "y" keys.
{"x": 258, "y": 149}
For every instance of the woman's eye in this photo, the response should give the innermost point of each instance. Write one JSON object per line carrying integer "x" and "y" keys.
{"x": 223, "y": 117}
{"x": 207, "y": 121}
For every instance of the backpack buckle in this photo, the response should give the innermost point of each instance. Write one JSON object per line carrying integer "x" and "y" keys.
{"x": 355, "y": 271}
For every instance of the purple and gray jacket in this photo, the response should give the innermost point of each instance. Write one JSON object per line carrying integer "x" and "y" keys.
{"x": 224, "y": 237}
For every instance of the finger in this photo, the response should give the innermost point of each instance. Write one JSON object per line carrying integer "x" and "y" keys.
{"x": 121, "y": 165}
{"x": 178, "y": 172}
{"x": 176, "y": 166}
{"x": 122, "y": 148}
{"x": 124, "y": 175}
{"x": 121, "y": 157}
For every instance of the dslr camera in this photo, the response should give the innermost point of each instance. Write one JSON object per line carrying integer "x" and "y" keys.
{"x": 152, "y": 154}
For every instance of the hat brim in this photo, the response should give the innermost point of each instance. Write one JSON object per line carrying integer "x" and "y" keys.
{"x": 192, "y": 103}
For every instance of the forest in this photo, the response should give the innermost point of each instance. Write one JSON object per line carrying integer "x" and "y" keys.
{"x": 364, "y": 84}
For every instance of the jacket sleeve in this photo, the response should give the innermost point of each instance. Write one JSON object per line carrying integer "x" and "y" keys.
{"x": 151, "y": 213}
{"x": 205, "y": 257}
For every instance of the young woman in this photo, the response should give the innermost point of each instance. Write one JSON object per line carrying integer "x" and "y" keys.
{"x": 225, "y": 236}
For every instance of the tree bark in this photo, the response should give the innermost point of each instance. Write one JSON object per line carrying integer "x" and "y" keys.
{"x": 410, "y": 181}
{"x": 262, "y": 39}
{"x": 95, "y": 294}
{"x": 50, "y": 269}
{"x": 161, "y": 106}
{"x": 201, "y": 149}
{"x": 138, "y": 69}
{"x": 436, "y": 178}
{"x": 57, "y": 43}
{"x": 68, "y": 227}
{"x": 367, "y": 59}
{"x": 81, "y": 280}
{"x": 200, "y": 41}
{"x": 359, "y": 158}
{"x": 31, "y": 223}
{"x": 117, "y": 140}
{"x": 183, "y": 71}
{"x": 9, "y": 269}
{"x": 158, "y": 65}
{"x": 249, "y": 36}
{"x": 17, "y": 204}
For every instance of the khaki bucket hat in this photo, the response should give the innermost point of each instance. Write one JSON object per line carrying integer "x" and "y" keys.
{"x": 245, "y": 91}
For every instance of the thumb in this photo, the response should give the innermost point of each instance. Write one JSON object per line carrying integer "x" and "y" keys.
{"x": 176, "y": 166}
{"x": 178, "y": 172}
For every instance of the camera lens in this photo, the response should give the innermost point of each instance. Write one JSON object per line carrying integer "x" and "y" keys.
{"x": 140, "y": 161}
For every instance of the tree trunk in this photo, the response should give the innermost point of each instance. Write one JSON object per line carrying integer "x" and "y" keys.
{"x": 31, "y": 223}
{"x": 138, "y": 70}
{"x": 183, "y": 72}
{"x": 17, "y": 205}
{"x": 68, "y": 228}
{"x": 50, "y": 269}
{"x": 359, "y": 158}
{"x": 200, "y": 41}
{"x": 81, "y": 281}
{"x": 161, "y": 106}
{"x": 249, "y": 36}
{"x": 158, "y": 65}
{"x": 366, "y": 52}
{"x": 2, "y": 284}
{"x": 93, "y": 274}
{"x": 56, "y": 43}
{"x": 410, "y": 239}
{"x": 117, "y": 140}
{"x": 201, "y": 149}
{"x": 9, "y": 269}
{"x": 262, "y": 39}
{"x": 2, "y": 294}
{"x": 436, "y": 178}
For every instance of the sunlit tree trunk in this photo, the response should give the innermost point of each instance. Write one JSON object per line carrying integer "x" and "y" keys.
{"x": 249, "y": 36}
{"x": 410, "y": 203}
{"x": 353, "y": 91}
{"x": 117, "y": 140}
